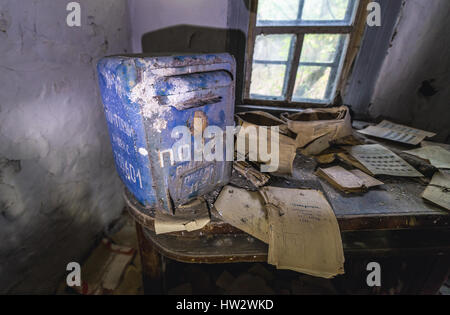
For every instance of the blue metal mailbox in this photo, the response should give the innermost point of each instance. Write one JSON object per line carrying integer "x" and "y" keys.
{"x": 147, "y": 101}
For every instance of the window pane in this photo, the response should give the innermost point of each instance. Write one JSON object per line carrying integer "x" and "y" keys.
{"x": 311, "y": 83}
{"x": 320, "y": 47}
{"x": 267, "y": 80}
{"x": 325, "y": 10}
{"x": 305, "y": 12}
{"x": 270, "y": 10}
{"x": 272, "y": 47}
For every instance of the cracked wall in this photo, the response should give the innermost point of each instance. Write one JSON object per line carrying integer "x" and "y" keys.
{"x": 413, "y": 86}
{"x": 58, "y": 184}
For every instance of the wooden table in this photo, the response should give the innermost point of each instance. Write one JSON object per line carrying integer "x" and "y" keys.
{"x": 391, "y": 225}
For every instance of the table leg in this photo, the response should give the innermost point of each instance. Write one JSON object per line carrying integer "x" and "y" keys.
{"x": 152, "y": 264}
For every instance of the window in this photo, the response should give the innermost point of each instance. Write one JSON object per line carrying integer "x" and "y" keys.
{"x": 297, "y": 50}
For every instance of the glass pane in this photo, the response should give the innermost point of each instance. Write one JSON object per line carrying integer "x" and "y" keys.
{"x": 272, "y": 47}
{"x": 305, "y": 12}
{"x": 270, "y": 10}
{"x": 320, "y": 47}
{"x": 267, "y": 80}
{"x": 311, "y": 83}
{"x": 325, "y": 10}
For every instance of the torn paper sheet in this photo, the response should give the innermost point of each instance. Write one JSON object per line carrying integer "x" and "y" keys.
{"x": 380, "y": 160}
{"x": 436, "y": 155}
{"x": 438, "y": 191}
{"x": 347, "y": 181}
{"x": 244, "y": 210}
{"x": 304, "y": 234}
{"x": 396, "y": 132}
{"x": 190, "y": 217}
{"x": 102, "y": 271}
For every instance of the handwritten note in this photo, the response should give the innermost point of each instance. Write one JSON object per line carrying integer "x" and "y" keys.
{"x": 304, "y": 234}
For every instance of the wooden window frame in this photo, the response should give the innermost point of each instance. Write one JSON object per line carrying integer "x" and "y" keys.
{"x": 355, "y": 32}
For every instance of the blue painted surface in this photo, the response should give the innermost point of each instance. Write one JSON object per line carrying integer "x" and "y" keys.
{"x": 181, "y": 87}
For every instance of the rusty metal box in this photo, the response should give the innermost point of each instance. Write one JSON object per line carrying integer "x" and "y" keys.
{"x": 146, "y": 102}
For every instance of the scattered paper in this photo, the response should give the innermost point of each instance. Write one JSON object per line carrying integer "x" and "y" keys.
{"x": 438, "y": 191}
{"x": 436, "y": 155}
{"x": 395, "y": 132}
{"x": 245, "y": 210}
{"x": 190, "y": 217}
{"x": 103, "y": 270}
{"x": 304, "y": 234}
{"x": 380, "y": 160}
{"x": 443, "y": 145}
{"x": 347, "y": 181}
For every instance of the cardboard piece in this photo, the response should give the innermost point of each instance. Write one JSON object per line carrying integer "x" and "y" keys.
{"x": 245, "y": 210}
{"x": 190, "y": 217}
{"x": 436, "y": 155}
{"x": 304, "y": 234}
{"x": 395, "y": 132}
{"x": 438, "y": 191}
{"x": 347, "y": 181}
{"x": 380, "y": 160}
{"x": 313, "y": 123}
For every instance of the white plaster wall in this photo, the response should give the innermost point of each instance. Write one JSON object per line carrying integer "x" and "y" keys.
{"x": 420, "y": 51}
{"x": 58, "y": 185}
{"x": 151, "y": 15}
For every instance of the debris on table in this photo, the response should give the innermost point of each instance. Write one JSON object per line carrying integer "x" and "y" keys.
{"x": 326, "y": 158}
{"x": 244, "y": 210}
{"x": 395, "y": 132}
{"x": 438, "y": 191}
{"x": 348, "y": 181}
{"x": 435, "y": 155}
{"x": 380, "y": 160}
{"x": 190, "y": 217}
{"x": 257, "y": 178}
{"x": 304, "y": 235}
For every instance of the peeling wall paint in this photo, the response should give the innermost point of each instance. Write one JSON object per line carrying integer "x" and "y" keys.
{"x": 413, "y": 86}
{"x": 58, "y": 184}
